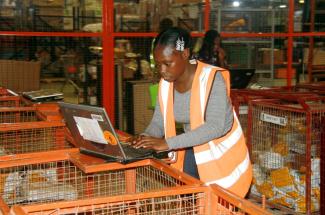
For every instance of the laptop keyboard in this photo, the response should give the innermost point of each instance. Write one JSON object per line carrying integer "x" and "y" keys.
{"x": 134, "y": 153}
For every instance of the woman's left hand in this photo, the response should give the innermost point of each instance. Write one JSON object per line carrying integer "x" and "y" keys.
{"x": 147, "y": 142}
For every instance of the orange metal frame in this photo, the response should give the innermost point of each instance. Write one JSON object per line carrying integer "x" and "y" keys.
{"x": 322, "y": 169}
{"x": 305, "y": 108}
{"x": 214, "y": 197}
{"x": 90, "y": 165}
{"x": 42, "y": 113}
{"x": 16, "y": 101}
{"x": 108, "y": 36}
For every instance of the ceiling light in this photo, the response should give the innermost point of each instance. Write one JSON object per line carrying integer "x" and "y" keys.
{"x": 301, "y": 1}
{"x": 236, "y": 3}
{"x": 283, "y": 6}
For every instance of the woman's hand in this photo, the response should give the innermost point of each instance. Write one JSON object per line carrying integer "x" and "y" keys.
{"x": 157, "y": 144}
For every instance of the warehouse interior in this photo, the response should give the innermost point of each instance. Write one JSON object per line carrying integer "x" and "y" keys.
{"x": 98, "y": 53}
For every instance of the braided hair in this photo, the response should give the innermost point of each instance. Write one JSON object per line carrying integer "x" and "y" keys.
{"x": 178, "y": 38}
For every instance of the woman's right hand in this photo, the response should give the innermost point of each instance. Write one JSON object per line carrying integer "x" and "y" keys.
{"x": 136, "y": 139}
{"x": 157, "y": 144}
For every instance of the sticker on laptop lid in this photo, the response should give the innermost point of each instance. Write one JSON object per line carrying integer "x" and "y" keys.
{"x": 110, "y": 138}
{"x": 97, "y": 117}
{"x": 90, "y": 129}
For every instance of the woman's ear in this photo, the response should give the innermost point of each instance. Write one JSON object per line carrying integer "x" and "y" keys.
{"x": 186, "y": 53}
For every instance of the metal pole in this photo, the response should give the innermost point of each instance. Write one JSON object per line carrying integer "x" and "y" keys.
{"x": 272, "y": 45}
{"x": 290, "y": 41}
{"x": 207, "y": 15}
{"x": 311, "y": 42}
{"x": 108, "y": 59}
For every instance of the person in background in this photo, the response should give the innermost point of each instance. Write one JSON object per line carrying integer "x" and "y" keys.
{"x": 212, "y": 147}
{"x": 165, "y": 23}
{"x": 211, "y": 51}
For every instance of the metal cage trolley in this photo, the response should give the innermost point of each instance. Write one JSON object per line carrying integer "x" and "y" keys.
{"x": 26, "y": 130}
{"x": 60, "y": 176}
{"x": 184, "y": 200}
{"x": 284, "y": 137}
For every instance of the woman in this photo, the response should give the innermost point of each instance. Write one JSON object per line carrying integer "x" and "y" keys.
{"x": 212, "y": 147}
{"x": 211, "y": 51}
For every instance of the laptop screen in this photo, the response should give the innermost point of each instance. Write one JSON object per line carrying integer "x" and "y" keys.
{"x": 240, "y": 78}
{"x": 91, "y": 129}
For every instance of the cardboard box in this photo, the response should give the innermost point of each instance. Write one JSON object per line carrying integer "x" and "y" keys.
{"x": 7, "y": 12}
{"x": 282, "y": 73}
{"x": 142, "y": 114}
{"x": 278, "y": 56}
{"x": 48, "y": 2}
{"x": 51, "y": 11}
{"x": 318, "y": 56}
{"x": 186, "y": 1}
{"x": 20, "y": 76}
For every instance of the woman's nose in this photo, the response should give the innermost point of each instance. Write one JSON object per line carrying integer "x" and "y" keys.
{"x": 162, "y": 69}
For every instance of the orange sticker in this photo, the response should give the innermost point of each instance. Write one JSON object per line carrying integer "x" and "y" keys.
{"x": 110, "y": 138}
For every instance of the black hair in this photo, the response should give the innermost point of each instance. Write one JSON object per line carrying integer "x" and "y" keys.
{"x": 206, "y": 52}
{"x": 171, "y": 35}
{"x": 210, "y": 36}
{"x": 165, "y": 23}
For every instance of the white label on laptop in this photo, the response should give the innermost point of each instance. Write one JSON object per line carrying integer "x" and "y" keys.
{"x": 89, "y": 129}
{"x": 97, "y": 117}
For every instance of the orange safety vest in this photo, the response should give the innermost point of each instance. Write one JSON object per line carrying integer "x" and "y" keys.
{"x": 223, "y": 161}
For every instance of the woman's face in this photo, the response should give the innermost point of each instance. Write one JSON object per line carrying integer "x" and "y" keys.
{"x": 169, "y": 62}
{"x": 216, "y": 44}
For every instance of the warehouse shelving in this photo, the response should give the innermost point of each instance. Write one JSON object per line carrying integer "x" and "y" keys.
{"x": 247, "y": 16}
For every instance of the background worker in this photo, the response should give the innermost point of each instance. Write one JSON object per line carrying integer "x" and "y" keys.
{"x": 211, "y": 51}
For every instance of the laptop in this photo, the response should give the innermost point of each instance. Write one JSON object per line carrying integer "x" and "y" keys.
{"x": 43, "y": 95}
{"x": 240, "y": 78}
{"x": 94, "y": 134}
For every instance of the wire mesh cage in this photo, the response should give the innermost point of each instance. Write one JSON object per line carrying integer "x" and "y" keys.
{"x": 32, "y": 114}
{"x": 26, "y": 130}
{"x": 49, "y": 111}
{"x": 240, "y": 100}
{"x": 5, "y": 92}
{"x": 241, "y": 97}
{"x": 51, "y": 177}
{"x": 181, "y": 200}
{"x": 42, "y": 136}
{"x": 19, "y": 115}
{"x": 9, "y": 98}
{"x": 285, "y": 140}
{"x": 317, "y": 87}
{"x": 13, "y": 101}
{"x": 322, "y": 188}
{"x": 49, "y": 16}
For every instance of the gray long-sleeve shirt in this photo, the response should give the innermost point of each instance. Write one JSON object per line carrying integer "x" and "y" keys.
{"x": 218, "y": 118}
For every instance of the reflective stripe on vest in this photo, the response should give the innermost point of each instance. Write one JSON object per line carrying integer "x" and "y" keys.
{"x": 229, "y": 180}
{"x": 164, "y": 95}
{"x": 228, "y": 155}
{"x": 216, "y": 151}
